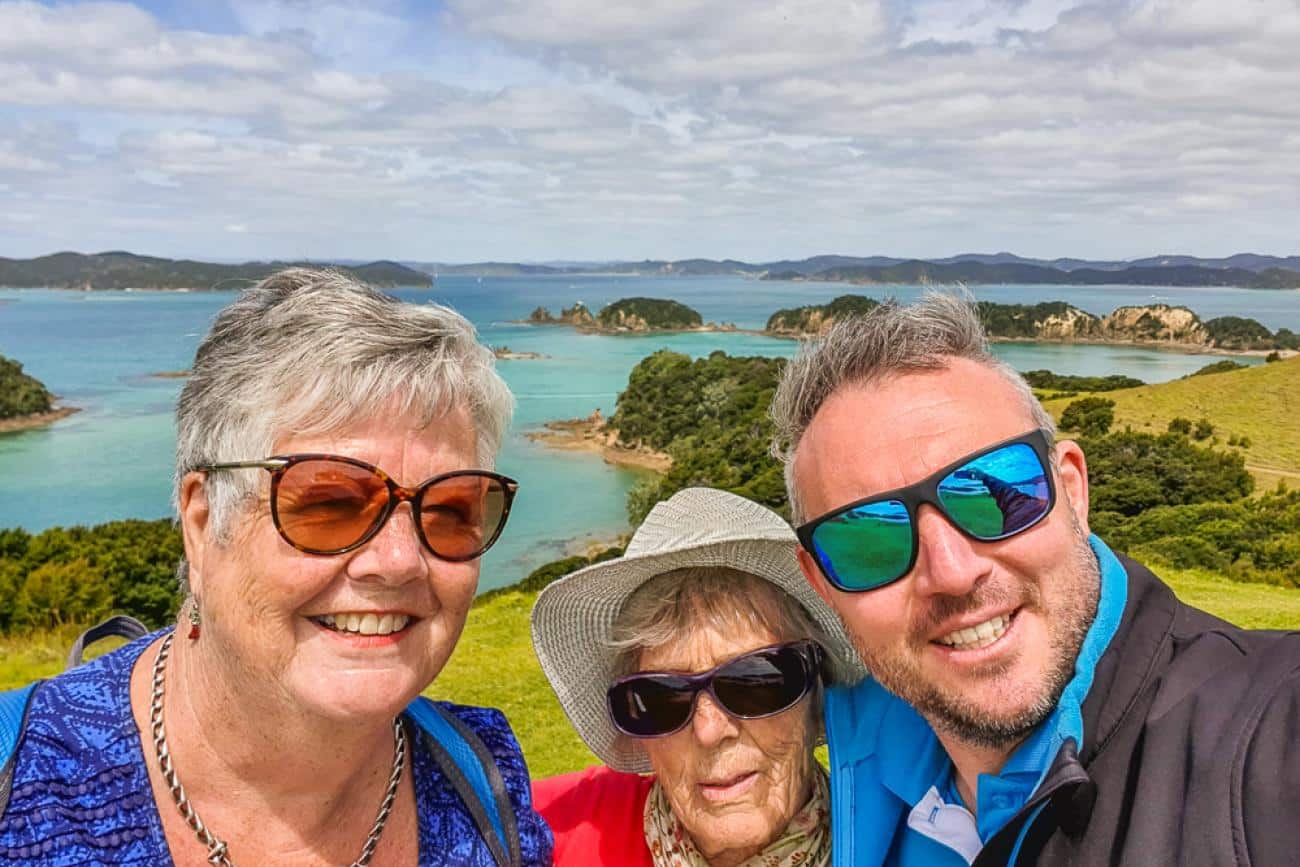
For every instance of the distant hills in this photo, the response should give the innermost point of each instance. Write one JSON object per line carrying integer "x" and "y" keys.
{"x": 1250, "y": 270}
{"x": 121, "y": 270}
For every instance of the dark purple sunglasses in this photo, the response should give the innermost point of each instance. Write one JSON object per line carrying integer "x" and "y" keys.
{"x": 763, "y": 682}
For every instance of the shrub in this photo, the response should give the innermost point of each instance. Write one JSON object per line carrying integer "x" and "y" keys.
{"x": 1203, "y": 430}
{"x": 1090, "y": 416}
{"x": 1180, "y": 425}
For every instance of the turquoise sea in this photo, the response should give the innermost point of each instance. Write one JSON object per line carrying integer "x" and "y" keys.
{"x": 100, "y": 351}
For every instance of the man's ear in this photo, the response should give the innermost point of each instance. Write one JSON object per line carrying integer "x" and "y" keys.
{"x": 195, "y": 517}
{"x": 1072, "y": 475}
{"x": 812, "y": 573}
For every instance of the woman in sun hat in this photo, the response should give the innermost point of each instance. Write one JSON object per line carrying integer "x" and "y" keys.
{"x": 699, "y": 656}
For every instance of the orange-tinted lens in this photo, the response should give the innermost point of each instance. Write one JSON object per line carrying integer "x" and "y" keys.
{"x": 461, "y": 515}
{"x": 323, "y": 506}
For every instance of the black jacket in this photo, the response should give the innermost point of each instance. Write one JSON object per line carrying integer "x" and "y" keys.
{"x": 1192, "y": 754}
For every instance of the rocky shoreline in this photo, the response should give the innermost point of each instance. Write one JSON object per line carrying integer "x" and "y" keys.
{"x": 592, "y": 434}
{"x": 36, "y": 420}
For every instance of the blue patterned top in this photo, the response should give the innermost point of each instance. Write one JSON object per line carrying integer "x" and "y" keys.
{"x": 81, "y": 792}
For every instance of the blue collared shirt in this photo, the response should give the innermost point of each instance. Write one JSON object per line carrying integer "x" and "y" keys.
{"x": 893, "y": 796}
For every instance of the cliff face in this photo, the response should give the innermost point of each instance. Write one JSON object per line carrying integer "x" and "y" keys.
{"x": 1070, "y": 324}
{"x": 578, "y": 315}
{"x": 816, "y": 318}
{"x": 1156, "y": 323}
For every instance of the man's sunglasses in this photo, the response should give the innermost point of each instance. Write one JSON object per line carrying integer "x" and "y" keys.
{"x": 760, "y": 683}
{"x": 989, "y": 495}
{"x": 328, "y": 504}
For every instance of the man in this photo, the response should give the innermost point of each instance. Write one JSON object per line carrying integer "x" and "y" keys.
{"x": 1035, "y": 698}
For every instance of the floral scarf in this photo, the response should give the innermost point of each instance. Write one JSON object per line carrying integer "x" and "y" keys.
{"x": 806, "y": 841}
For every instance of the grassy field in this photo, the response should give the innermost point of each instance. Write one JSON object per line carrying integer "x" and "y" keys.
{"x": 1262, "y": 403}
{"x": 494, "y": 663}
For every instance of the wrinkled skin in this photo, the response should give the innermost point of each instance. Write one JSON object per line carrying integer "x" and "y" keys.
{"x": 769, "y": 759}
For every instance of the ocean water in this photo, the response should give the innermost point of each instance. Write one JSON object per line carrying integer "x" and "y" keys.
{"x": 101, "y": 352}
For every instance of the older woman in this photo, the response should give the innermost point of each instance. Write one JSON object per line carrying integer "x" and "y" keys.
{"x": 698, "y": 656}
{"x": 333, "y": 481}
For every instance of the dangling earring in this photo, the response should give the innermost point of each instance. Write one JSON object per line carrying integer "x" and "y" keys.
{"x": 194, "y": 621}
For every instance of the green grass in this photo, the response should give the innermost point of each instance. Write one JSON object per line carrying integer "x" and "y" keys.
{"x": 494, "y": 663}
{"x": 1257, "y": 402}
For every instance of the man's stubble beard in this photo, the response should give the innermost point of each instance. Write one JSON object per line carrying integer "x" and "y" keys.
{"x": 965, "y": 720}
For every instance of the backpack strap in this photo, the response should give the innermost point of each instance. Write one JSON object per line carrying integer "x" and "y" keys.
{"x": 121, "y": 625}
{"x": 472, "y": 772}
{"x": 13, "y": 713}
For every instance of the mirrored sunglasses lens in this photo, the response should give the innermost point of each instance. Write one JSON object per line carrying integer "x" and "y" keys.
{"x": 651, "y": 705}
{"x": 461, "y": 515}
{"x": 997, "y": 494}
{"x": 323, "y": 506}
{"x": 865, "y": 547}
{"x": 762, "y": 683}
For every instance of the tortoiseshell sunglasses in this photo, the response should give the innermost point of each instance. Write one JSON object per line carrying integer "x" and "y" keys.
{"x": 330, "y": 504}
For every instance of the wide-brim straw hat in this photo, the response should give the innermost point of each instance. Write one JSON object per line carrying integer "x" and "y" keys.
{"x": 695, "y": 527}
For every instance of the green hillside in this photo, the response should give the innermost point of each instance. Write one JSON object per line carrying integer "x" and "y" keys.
{"x": 1260, "y": 403}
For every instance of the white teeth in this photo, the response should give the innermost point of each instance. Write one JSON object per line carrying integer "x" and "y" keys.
{"x": 364, "y": 623}
{"x": 980, "y": 635}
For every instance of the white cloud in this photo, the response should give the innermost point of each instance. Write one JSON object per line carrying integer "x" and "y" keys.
{"x": 529, "y": 130}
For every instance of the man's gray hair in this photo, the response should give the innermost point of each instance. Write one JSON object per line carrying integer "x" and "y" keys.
{"x": 892, "y": 339}
{"x": 310, "y": 351}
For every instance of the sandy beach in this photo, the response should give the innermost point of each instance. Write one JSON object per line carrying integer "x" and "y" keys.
{"x": 40, "y": 419}
{"x": 592, "y": 435}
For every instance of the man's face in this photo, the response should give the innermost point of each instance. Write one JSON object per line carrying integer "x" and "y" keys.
{"x": 1036, "y": 591}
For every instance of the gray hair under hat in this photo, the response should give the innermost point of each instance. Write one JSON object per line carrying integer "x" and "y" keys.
{"x": 695, "y": 527}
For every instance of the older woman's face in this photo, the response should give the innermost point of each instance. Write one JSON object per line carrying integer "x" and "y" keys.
{"x": 735, "y": 784}
{"x": 262, "y": 599}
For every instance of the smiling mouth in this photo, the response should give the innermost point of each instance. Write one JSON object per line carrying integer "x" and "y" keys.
{"x": 363, "y": 623}
{"x": 980, "y": 635}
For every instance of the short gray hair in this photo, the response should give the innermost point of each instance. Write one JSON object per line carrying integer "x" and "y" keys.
{"x": 313, "y": 350}
{"x": 672, "y": 606}
{"x": 892, "y": 339}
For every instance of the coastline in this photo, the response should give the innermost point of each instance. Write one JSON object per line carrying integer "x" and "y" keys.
{"x": 36, "y": 420}
{"x": 1157, "y": 345}
{"x": 591, "y": 435}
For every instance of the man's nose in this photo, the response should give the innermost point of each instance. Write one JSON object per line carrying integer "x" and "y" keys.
{"x": 946, "y": 562}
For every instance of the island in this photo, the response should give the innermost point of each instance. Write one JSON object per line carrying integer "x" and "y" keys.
{"x": 1161, "y": 325}
{"x": 630, "y": 316}
{"x": 505, "y": 353}
{"x": 25, "y": 402}
{"x": 121, "y": 270}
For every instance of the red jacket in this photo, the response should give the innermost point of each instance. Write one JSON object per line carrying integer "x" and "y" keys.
{"x": 596, "y": 816}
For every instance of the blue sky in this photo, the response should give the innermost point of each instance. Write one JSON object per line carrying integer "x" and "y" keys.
{"x": 598, "y": 129}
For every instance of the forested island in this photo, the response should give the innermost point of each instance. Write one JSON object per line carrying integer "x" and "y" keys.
{"x": 25, "y": 402}
{"x": 1160, "y": 324}
{"x": 121, "y": 270}
{"x": 629, "y": 315}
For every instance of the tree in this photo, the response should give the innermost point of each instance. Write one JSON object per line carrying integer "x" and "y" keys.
{"x": 1090, "y": 416}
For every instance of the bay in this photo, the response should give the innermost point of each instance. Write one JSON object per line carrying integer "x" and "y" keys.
{"x": 101, "y": 351}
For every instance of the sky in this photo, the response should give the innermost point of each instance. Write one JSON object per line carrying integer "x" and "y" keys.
{"x": 539, "y": 130}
